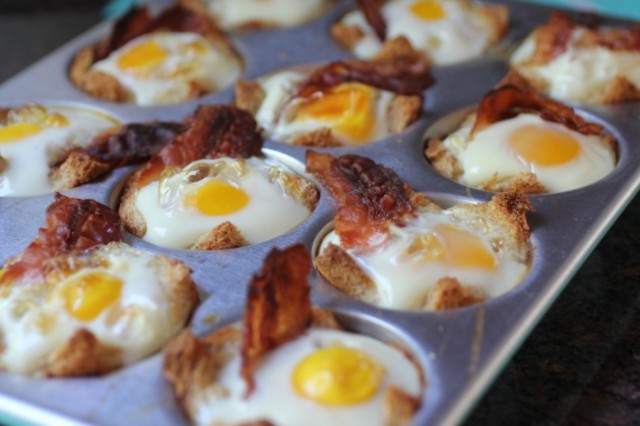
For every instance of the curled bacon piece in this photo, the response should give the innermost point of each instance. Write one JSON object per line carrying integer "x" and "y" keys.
{"x": 509, "y": 101}
{"x": 552, "y": 38}
{"x": 71, "y": 224}
{"x": 407, "y": 73}
{"x": 372, "y": 10}
{"x": 278, "y": 306}
{"x": 138, "y": 22}
{"x": 132, "y": 143}
{"x": 370, "y": 197}
{"x": 214, "y": 131}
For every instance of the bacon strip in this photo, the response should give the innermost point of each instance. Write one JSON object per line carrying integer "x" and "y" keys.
{"x": 139, "y": 21}
{"x": 278, "y": 306}
{"x": 370, "y": 197}
{"x": 509, "y": 101}
{"x": 372, "y": 10}
{"x": 71, "y": 224}
{"x": 552, "y": 38}
{"x": 214, "y": 131}
{"x": 407, "y": 73}
{"x": 132, "y": 143}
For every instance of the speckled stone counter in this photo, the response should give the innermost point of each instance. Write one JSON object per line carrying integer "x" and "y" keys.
{"x": 580, "y": 366}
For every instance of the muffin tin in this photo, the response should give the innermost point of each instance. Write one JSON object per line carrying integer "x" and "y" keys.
{"x": 460, "y": 350}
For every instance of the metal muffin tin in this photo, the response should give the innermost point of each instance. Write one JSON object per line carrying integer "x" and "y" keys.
{"x": 460, "y": 350}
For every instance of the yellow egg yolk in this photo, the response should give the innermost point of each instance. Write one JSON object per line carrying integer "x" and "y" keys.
{"x": 32, "y": 125}
{"x": 543, "y": 146}
{"x": 217, "y": 198}
{"x": 428, "y": 10}
{"x": 337, "y": 375}
{"x": 346, "y": 108}
{"x": 18, "y": 131}
{"x": 86, "y": 296}
{"x": 453, "y": 247}
{"x": 144, "y": 55}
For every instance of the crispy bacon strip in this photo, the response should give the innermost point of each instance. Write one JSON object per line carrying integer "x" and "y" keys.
{"x": 553, "y": 37}
{"x": 407, "y": 74}
{"x": 132, "y": 143}
{"x": 214, "y": 131}
{"x": 370, "y": 197}
{"x": 372, "y": 10}
{"x": 124, "y": 30}
{"x": 71, "y": 224}
{"x": 278, "y": 306}
{"x": 509, "y": 101}
{"x": 139, "y": 21}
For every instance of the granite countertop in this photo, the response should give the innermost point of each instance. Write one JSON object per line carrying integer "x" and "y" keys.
{"x": 581, "y": 365}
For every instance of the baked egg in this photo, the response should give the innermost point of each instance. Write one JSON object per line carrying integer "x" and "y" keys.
{"x": 33, "y": 138}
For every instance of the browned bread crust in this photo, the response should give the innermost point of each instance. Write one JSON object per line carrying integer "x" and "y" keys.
{"x": 83, "y": 355}
{"x": 77, "y": 169}
{"x": 399, "y": 407}
{"x": 320, "y": 138}
{"x": 448, "y": 293}
{"x": 96, "y": 83}
{"x": 223, "y": 236}
{"x": 342, "y": 271}
{"x": 249, "y": 95}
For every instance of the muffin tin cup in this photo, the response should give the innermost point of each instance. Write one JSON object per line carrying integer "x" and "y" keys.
{"x": 460, "y": 350}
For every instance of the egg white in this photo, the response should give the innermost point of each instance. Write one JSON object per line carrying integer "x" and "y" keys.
{"x": 280, "y": 13}
{"x": 143, "y": 326}
{"x": 28, "y": 160}
{"x": 270, "y": 212}
{"x": 403, "y": 281}
{"x": 170, "y": 82}
{"x": 488, "y": 153}
{"x": 275, "y": 115}
{"x": 579, "y": 74}
{"x": 458, "y": 37}
{"x": 276, "y": 400}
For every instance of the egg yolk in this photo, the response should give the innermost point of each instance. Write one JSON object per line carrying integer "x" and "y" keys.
{"x": 144, "y": 55}
{"x": 217, "y": 198}
{"x": 87, "y": 295}
{"x": 543, "y": 146}
{"x": 453, "y": 247}
{"x": 19, "y": 131}
{"x": 337, "y": 375}
{"x": 428, "y": 10}
{"x": 347, "y": 108}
